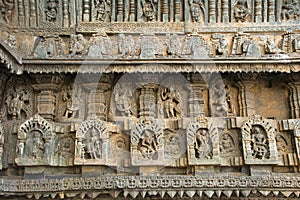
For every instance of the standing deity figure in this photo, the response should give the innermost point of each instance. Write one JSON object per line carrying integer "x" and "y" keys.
{"x": 196, "y": 6}
{"x": 241, "y": 10}
{"x": 149, "y": 9}
{"x": 260, "y": 147}
{"x": 148, "y": 145}
{"x": 122, "y": 99}
{"x": 15, "y": 105}
{"x": 94, "y": 145}
{"x": 288, "y": 8}
{"x": 103, "y": 10}
{"x": 171, "y": 102}
{"x": 51, "y": 10}
{"x": 37, "y": 145}
{"x": 73, "y": 102}
{"x": 203, "y": 144}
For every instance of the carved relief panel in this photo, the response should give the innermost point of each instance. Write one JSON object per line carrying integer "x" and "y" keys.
{"x": 286, "y": 149}
{"x": 259, "y": 143}
{"x": 175, "y": 146}
{"x": 64, "y": 150}
{"x": 92, "y": 143}
{"x": 203, "y": 142}
{"x": 297, "y": 140}
{"x": 119, "y": 154}
{"x": 231, "y": 148}
{"x": 151, "y": 95}
{"x": 18, "y": 99}
{"x": 35, "y": 142}
{"x": 147, "y": 143}
{"x": 71, "y": 102}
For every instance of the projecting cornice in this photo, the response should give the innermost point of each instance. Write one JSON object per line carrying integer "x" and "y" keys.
{"x": 287, "y": 65}
{"x": 10, "y": 59}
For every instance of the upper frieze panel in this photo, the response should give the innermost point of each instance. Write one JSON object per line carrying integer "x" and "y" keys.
{"x": 149, "y": 15}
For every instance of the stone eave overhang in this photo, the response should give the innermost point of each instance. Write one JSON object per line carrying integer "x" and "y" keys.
{"x": 10, "y": 59}
{"x": 283, "y": 64}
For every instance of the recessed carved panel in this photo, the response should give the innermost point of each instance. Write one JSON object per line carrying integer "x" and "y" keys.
{"x": 92, "y": 143}
{"x": 259, "y": 143}
{"x": 35, "y": 142}
{"x": 203, "y": 142}
{"x": 147, "y": 144}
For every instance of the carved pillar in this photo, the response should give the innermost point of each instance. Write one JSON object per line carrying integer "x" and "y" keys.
{"x": 20, "y": 12}
{"x": 47, "y": 86}
{"x": 212, "y": 11}
{"x": 225, "y": 11}
{"x": 258, "y": 11}
{"x": 66, "y": 21}
{"x": 32, "y": 13}
{"x": 147, "y": 101}
{"x": 120, "y": 13}
{"x": 86, "y": 10}
{"x": 97, "y": 105}
{"x": 271, "y": 10}
{"x": 171, "y": 11}
{"x": 196, "y": 96}
{"x": 177, "y": 10}
{"x": 246, "y": 97}
{"x": 294, "y": 100}
{"x": 165, "y": 11}
{"x": 132, "y": 11}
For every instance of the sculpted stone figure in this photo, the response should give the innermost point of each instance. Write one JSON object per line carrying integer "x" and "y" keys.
{"x": 103, "y": 10}
{"x": 94, "y": 145}
{"x": 126, "y": 46}
{"x": 76, "y": 45}
{"x": 226, "y": 144}
{"x": 296, "y": 44}
{"x": 51, "y": 10}
{"x": 37, "y": 145}
{"x": 149, "y": 9}
{"x": 122, "y": 99}
{"x": 260, "y": 147}
{"x": 148, "y": 145}
{"x": 73, "y": 102}
{"x": 196, "y": 6}
{"x": 222, "y": 47}
{"x": 203, "y": 144}
{"x": 171, "y": 102}
{"x": 270, "y": 47}
{"x": 6, "y": 10}
{"x": 173, "y": 44}
{"x": 288, "y": 8}
{"x": 241, "y": 10}
{"x": 250, "y": 49}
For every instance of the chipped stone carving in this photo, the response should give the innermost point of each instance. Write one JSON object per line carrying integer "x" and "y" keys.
{"x": 49, "y": 47}
{"x": 170, "y": 100}
{"x": 149, "y": 10}
{"x": 77, "y": 45}
{"x": 259, "y": 143}
{"x": 73, "y": 97}
{"x": 7, "y": 10}
{"x": 64, "y": 151}
{"x": 100, "y": 46}
{"x": 197, "y": 10}
{"x": 35, "y": 142}
{"x": 289, "y": 9}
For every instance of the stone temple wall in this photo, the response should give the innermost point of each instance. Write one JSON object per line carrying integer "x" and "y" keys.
{"x": 140, "y": 99}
